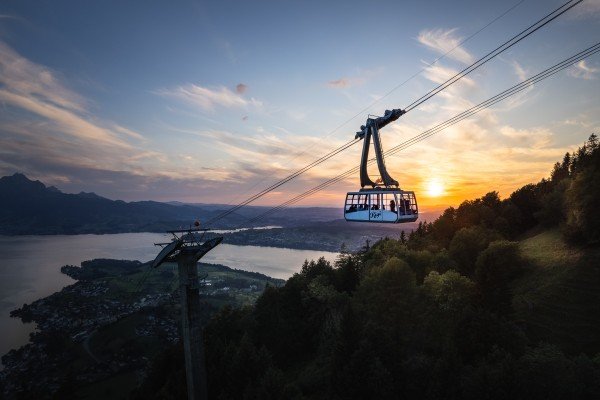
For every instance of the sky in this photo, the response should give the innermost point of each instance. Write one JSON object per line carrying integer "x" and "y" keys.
{"x": 212, "y": 101}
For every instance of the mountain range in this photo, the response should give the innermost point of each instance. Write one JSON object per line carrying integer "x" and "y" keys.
{"x": 30, "y": 207}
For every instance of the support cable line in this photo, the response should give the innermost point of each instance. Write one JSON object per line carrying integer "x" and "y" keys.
{"x": 480, "y": 62}
{"x": 452, "y": 121}
{"x": 283, "y": 181}
{"x": 506, "y": 45}
{"x": 387, "y": 94}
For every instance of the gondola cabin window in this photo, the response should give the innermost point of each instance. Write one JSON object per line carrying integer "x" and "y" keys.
{"x": 383, "y": 205}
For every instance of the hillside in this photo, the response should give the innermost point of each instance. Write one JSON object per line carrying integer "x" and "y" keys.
{"x": 559, "y": 300}
{"x": 393, "y": 322}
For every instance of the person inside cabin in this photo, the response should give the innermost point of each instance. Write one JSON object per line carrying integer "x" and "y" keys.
{"x": 407, "y": 206}
{"x": 393, "y": 205}
{"x": 376, "y": 205}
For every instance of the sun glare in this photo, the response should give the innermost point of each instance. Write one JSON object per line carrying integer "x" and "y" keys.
{"x": 435, "y": 188}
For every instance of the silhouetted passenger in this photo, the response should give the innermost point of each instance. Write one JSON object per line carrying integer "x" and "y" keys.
{"x": 407, "y": 206}
{"x": 392, "y": 205}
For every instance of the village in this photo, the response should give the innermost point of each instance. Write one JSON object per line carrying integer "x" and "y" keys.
{"x": 73, "y": 325}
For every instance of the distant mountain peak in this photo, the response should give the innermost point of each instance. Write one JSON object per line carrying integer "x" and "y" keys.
{"x": 16, "y": 177}
{"x": 89, "y": 195}
{"x": 20, "y": 181}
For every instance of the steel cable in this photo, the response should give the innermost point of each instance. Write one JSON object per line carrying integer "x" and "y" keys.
{"x": 483, "y": 60}
{"x": 452, "y": 121}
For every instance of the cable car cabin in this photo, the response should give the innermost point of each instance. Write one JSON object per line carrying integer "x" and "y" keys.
{"x": 381, "y": 205}
{"x": 384, "y": 202}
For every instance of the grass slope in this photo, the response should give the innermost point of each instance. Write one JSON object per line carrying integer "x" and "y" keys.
{"x": 558, "y": 301}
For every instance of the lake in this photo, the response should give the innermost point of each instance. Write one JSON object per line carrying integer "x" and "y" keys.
{"x": 30, "y": 267}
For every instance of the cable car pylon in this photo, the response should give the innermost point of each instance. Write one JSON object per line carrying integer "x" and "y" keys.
{"x": 186, "y": 248}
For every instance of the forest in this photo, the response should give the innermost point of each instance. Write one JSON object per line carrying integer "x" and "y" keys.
{"x": 495, "y": 299}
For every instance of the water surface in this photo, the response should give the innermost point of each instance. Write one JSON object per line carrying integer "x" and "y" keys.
{"x": 30, "y": 266}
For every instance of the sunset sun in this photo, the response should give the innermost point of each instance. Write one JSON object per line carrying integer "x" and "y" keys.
{"x": 435, "y": 188}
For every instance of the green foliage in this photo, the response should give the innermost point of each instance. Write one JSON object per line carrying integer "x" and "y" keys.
{"x": 444, "y": 227}
{"x": 480, "y": 332}
{"x": 385, "y": 294}
{"x": 480, "y": 211}
{"x": 496, "y": 267}
{"x": 527, "y": 201}
{"x": 450, "y": 292}
{"x": 553, "y": 206}
{"x": 466, "y": 246}
{"x": 546, "y": 373}
{"x": 583, "y": 198}
{"x": 349, "y": 268}
{"x": 543, "y": 372}
{"x": 389, "y": 336}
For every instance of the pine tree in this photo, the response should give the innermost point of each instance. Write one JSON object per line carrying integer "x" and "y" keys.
{"x": 402, "y": 237}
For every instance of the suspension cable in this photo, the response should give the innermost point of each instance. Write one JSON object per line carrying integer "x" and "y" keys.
{"x": 379, "y": 99}
{"x": 483, "y": 60}
{"x": 506, "y": 45}
{"x": 452, "y": 121}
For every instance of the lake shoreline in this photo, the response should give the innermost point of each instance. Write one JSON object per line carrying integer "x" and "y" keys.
{"x": 31, "y": 268}
{"x": 105, "y": 293}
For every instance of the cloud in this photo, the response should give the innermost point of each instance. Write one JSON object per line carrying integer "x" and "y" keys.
{"x": 587, "y": 9}
{"x": 265, "y": 153}
{"x": 47, "y": 130}
{"x": 519, "y": 70}
{"x": 241, "y": 88}
{"x": 457, "y": 97}
{"x": 356, "y": 80}
{"x": 209, "y": 98}
{"x": 439, "y": 74}
{"x": 532, "y": 138}
{"x": 583, "y": 71}
{"x": 40, "y": 92}
{"x": 474, "y": 157}
{"x": 445, "y": 42}
{"x": 7, "y": 16}
{"x": 477, "y": 151}
{"x": 25, "y": 78}
{"x": 341, "y": 83}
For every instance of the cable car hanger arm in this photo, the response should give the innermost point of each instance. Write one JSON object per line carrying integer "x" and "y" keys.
{"x": 371, "y": 129}
{"x": 388, "y": 117}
